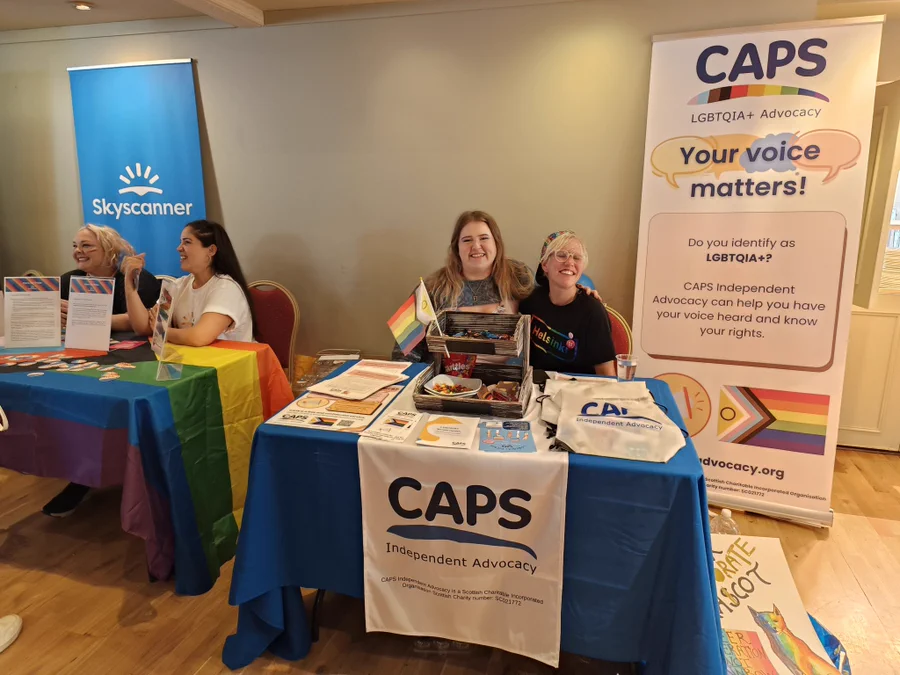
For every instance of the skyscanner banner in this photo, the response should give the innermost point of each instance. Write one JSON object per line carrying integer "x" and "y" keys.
{"x": 463, "y": 545}
{"x": 138, "y": 140}
{"x": 754, "y": 181}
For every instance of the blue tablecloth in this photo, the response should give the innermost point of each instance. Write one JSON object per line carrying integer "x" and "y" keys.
{"x": 638, "y": 583}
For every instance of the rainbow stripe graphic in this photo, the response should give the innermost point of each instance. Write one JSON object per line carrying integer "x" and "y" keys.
{"x": 88, "y": 285}
{"x": 752, "y": 91}
{"x": 768, "y": 418}
{"x": 31, "y": 284}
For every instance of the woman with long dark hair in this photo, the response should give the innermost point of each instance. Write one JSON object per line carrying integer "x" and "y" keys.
{"x": 210, "y": 303}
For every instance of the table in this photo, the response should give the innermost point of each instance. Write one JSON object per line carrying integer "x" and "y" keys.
{"x": 638, "y": 582}
{"x": 179, "y": 449}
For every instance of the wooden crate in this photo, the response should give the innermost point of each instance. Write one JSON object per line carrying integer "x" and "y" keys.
{"x": 487, "y": 373}
{"x": 517, "y": 325}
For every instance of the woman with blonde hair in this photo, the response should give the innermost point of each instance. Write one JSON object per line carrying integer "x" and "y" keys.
{"x": 98, "y": 251}
{"x": 570, "y": 329}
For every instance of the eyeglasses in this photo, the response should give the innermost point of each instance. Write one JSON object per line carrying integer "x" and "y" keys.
{"x": 563, "y": 256}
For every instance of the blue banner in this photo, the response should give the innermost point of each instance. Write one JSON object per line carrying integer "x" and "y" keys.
{"x": 139, "y": 159}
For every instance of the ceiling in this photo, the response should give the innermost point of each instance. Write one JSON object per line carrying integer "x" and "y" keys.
{"x": 27, "y": 14}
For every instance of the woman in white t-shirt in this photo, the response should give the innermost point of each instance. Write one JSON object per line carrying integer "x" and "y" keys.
{"x": 210, "y": 303}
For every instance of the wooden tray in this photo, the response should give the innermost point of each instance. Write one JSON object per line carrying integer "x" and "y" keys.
{"x": 450, "y": 322}
{"x": 488, "y": 374}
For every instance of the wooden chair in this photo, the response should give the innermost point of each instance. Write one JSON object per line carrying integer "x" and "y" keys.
{"x": 277, "y": 320}
{"x": 621, "y": 331}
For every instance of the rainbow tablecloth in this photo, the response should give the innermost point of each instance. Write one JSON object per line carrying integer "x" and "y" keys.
{"x": 180, "y": 449}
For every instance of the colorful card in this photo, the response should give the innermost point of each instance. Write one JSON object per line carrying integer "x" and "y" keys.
{"x": 497, "y": 436}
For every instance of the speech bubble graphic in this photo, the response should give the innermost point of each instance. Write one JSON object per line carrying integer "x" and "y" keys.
{"x": 667, "y": 158}
{"x": 762, "y": 161}
{"x": 730, "y": 151}
{"x": 838, "y": 150}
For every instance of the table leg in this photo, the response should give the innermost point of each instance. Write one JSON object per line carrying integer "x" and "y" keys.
{"x": 317, "y": 607}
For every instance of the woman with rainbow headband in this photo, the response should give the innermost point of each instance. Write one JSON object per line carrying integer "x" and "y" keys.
{"x": 570, "y": 330}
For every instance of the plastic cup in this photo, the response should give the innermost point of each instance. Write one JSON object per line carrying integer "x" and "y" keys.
{"x": 626, "y": 365}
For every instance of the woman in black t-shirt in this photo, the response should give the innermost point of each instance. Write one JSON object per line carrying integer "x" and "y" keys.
{"x": 98, "y": 251}
{"x": 570, "y": 329}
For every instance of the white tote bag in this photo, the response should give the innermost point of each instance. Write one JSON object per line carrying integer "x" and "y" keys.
{"x": 551, "y": 401}
{"x": 614, "y": 420}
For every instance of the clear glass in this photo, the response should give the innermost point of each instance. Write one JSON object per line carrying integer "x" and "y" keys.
{"x": 626, "y": 366}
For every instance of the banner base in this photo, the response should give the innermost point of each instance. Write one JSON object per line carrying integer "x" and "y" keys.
{"x": 793, "y": 514}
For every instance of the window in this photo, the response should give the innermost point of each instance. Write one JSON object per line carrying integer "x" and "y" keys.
{"x": 890, "y": 270}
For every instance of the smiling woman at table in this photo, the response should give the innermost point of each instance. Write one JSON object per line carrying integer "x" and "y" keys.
{"x": 97, "y": 252}
{"x": 570, "y": 330}
{"x": 210, "y": 303}
{"x": 477, "y": 277}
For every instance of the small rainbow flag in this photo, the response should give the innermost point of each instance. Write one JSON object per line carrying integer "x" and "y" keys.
{"x": 410, "y": 321}
{"x": 768, "y": 418}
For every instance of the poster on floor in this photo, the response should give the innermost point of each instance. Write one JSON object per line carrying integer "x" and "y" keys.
{"x": 765, "y": 628}
{"x": 474, "y": 562}
{"x": 754, "y": 179}
{"x": 138, "y": 143}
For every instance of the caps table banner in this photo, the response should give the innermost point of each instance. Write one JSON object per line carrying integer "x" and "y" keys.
{"x": 464, "y": 545}
{"x": 754, "y": 179}
{"x": 139, "y": 159}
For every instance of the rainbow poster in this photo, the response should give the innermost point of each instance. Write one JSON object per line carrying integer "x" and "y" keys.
{"x": 744, "y": 653}
{"x": 770, "y": 418}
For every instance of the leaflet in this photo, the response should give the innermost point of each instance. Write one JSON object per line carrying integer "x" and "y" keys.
{"x": 89, "y": 319}
{"x": 444, "y": 431}
{"x": 394, "y": 427}
{"x": 31, "y": 312}
{"x": 357, "y": 383}
{"x": 314, "y": 410}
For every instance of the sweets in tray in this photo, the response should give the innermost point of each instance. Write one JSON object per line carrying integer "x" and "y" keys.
{"x": 492, "y": 348}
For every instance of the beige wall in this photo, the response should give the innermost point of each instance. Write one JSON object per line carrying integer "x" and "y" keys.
{"x": 340, "y": 151}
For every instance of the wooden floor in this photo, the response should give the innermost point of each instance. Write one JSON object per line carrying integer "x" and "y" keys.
{"x": 81, "y": 588}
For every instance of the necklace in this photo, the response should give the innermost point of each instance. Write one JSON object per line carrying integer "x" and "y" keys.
{"x": 481, "y": 288}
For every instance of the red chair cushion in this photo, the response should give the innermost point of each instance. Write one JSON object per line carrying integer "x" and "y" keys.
{"x": 274, "y": 321}
{"x": 620, "y": 334}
